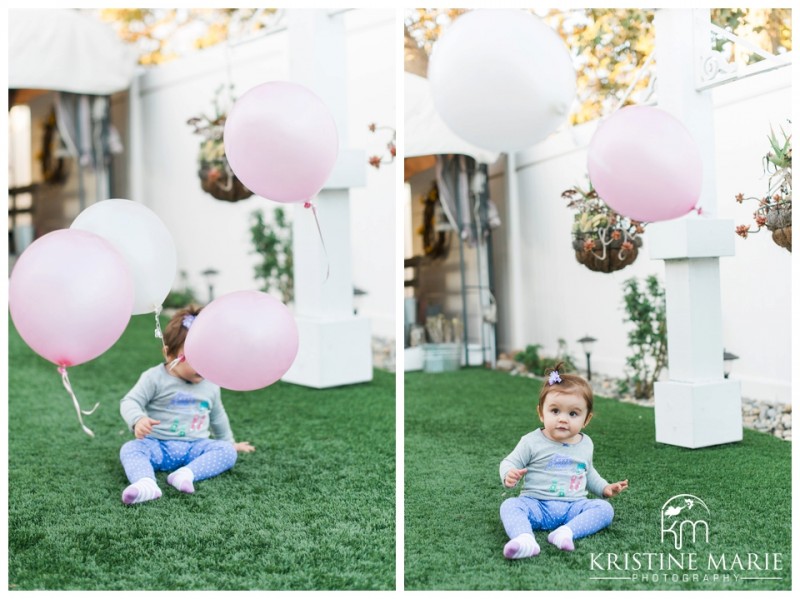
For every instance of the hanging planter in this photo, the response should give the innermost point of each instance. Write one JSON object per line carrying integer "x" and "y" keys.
{"x": 613, "y": 255}
{"x": 779, "y": 220}
{"x": 218, "y": 179}
{"x": 216, "y": 176}
{"x": 603, "y": 240}
{"x": 775, "y": 209}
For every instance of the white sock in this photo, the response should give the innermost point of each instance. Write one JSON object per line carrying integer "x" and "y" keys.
{"x": 521, "y": 546}
{"x": 144, "y": 489}
{"x": 182, "y": 479}
{"x": 561, "y": 537}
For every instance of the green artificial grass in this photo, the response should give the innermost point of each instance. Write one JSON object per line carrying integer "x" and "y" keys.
{"x": 460, "y": 425}
{"x": 312, "y": 508}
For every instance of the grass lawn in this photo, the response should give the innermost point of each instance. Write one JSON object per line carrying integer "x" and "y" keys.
{"x": 459, "y": 426}
{"x": 312, "y": 508}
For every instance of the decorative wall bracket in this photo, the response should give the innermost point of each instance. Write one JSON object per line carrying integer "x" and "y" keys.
{"x": 714, "y": 68}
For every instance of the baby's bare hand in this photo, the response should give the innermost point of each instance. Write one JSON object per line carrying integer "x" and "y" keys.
{"x": 615, "y": 488}
{"x": 144, "y": 426}
{"x": 513, "y": 476}
{"x": 243, "y": 447}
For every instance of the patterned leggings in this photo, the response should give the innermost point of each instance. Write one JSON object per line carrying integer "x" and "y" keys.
{"x": 205, "y": 457}
{"x": 525, "y": 514}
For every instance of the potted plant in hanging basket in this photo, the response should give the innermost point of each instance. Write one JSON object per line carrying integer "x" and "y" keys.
{"x": 216, "y": 176}
{"x": 775, "y": 209}
{"x": 603, "y": 240}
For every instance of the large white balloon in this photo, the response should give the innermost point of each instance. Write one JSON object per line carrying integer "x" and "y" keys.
{"x": 501, "y": 79}
{"x": 145, "y": 242}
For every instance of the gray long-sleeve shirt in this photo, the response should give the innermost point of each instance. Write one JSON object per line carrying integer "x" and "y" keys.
{"x": 559, "y": 471}
{"x": 187, "y": 411}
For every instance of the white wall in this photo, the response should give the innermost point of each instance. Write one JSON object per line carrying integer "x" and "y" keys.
{"x": 371, "y": 48}
{"x": 756, "y": 282}
{"x": 563, "y": 299}
{"x": 213, "y": 233}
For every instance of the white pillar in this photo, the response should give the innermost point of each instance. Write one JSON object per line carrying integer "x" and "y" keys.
{"x": 517, "y": 332}
{"x": 335, "y": 345}
{"x": 135, "y": 135}
{"x": 697, "y": 406}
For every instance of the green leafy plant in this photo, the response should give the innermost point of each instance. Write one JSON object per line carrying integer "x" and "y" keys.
{"x": 530, "y": 358}
{"x": 646, "y": 308}
{"x": 273, "y": 243}
{"x": 181, "y": 296}
{"x": 537, "y": 364}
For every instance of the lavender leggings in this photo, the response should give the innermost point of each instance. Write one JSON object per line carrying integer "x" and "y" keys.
{"x": 584, "y": 517}
{"x": 205, "y": 457}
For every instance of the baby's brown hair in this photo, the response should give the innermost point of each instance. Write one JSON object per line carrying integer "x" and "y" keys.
{"x": 562, "y": 382}
{"x": 177, "y": 329}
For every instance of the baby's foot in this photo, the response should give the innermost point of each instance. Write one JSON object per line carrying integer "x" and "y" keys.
{"x": 521, "y": 546}
{"x": 182, "y": 479}
{"x": 144, "y": 489}
{"x": 561, "y": 537}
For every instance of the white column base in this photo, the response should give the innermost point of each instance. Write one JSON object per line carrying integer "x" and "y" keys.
{"x": 331, "y": 353}
{"x": 696, "y": 415}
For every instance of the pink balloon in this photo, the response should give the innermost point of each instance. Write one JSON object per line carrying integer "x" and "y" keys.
{"x": 70, "y": 296}
{"x": 645, "y": 164}
{"x": 281, "y": 141}
{"x": 242, "y": 341}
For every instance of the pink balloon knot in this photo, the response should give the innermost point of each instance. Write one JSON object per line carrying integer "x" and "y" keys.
{"x": 699, "y": 210}
{"x": 308, "y": 205}
{"x": 62, "y": 369}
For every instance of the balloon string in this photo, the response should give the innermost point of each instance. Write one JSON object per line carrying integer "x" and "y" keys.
{"x": 321, "y": 239}
{"x": 175, "y": 362}
{"x": 159, "y": 334}
{"x": 639, "y": 73}
{"x": 65, "y": 379}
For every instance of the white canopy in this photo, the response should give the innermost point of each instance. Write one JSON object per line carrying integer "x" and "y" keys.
{"x": 425, "y": 131}
{"x": 64, "y": 50}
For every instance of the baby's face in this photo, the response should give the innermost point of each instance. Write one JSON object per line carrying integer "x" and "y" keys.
{"x": 182, "y": 369}
{"x": 563, "y": 416}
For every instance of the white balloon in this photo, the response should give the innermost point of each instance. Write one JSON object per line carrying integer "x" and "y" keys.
{"x": 145, "y": 242}
{"x": 501, "y": 79}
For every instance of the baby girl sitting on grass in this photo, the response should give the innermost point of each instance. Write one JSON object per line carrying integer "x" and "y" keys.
{"x": 172, "y": 412}
{"x": 556, "y": 461}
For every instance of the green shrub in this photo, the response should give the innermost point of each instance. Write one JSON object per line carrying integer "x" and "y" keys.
{"x": 273, "y": 243}
{"x": 181, "y": 296}
{"x": 645, "y": 307}
{"x": 537, "y": 364}
{"x": 529, "y": 357}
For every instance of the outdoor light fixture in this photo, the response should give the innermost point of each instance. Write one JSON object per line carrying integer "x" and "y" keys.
{"x": 588, "y": 344}
{"x": 727, "y": 361}
{"x": 210, "y": 274}
{"x": 356, "y": 294}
